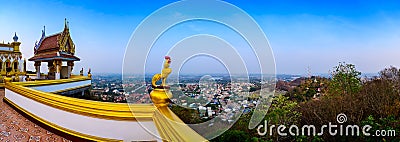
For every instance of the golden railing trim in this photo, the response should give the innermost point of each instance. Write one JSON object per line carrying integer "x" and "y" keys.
{"x": 168, "y": 127}
{"x": 103, "y": 110}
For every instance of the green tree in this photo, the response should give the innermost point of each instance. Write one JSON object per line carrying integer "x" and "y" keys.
{"x": 308, "y": 89}
{"x": 345, "y": 80}
{"x": 386, "y": 123}
{"x": 233, "y": 136}
{"x": 187, "y": 115}
{"x": 283, "y": 112}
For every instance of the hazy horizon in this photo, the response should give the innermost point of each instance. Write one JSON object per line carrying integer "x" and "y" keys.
{"x": 315, "y": 34}
{"x": 302, "y": 75}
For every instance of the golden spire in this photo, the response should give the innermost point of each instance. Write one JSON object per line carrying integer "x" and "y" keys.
{"x": 65, "y": 23}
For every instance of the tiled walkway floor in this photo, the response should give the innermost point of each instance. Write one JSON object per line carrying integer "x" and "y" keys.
{"x": 15, "y": 127}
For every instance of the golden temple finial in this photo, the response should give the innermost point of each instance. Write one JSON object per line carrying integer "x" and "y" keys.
{"x": 164, "y": 74}
{"x": 44, "y": 31}
{"x": 65, "y": 23}
{"x": 15, "y": 38}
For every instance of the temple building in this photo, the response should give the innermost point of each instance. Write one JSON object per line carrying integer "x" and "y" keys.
{"x": 55, "y": 49}
{"x": 11, "y": 62}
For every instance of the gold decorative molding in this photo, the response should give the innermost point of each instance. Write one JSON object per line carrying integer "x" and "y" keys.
{"x": 172, "y": 128}
{"x": 160, "y": 97}
{"x": 102, "y": 110}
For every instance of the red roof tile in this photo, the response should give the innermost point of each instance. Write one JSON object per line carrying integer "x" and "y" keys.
{"x": 49, "y": 43}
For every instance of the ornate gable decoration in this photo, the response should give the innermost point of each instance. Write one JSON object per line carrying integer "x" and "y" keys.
{"x": 65, "y": 42}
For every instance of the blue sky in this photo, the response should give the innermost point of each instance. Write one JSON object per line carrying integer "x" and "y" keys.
{"x": 318, "y": 34}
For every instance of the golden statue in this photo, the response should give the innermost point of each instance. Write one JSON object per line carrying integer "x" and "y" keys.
{"x": 164, "y": 74}
{"x": 161, "y": 95}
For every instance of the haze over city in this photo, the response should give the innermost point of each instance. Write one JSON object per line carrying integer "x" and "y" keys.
{"x": 315, "y": 34}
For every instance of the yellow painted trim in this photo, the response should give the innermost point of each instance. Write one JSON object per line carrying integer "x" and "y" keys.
{"x": 102, "y": 110}
{"x": 75, "y": 76}
{"x": 73, "y": 88}
{"x": 172, "y": 128}
{"x": 64, "y": 130}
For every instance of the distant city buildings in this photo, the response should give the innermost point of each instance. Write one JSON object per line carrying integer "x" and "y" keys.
{"x": 217, "y": 98}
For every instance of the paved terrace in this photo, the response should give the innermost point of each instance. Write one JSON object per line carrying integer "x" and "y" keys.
{"x": 16, "y": 127}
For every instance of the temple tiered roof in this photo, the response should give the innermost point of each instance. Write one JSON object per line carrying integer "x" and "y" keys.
{"x": 58, "y": 46}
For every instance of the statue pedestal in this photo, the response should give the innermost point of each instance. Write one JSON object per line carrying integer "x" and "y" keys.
{"x": 160, "y": 97}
